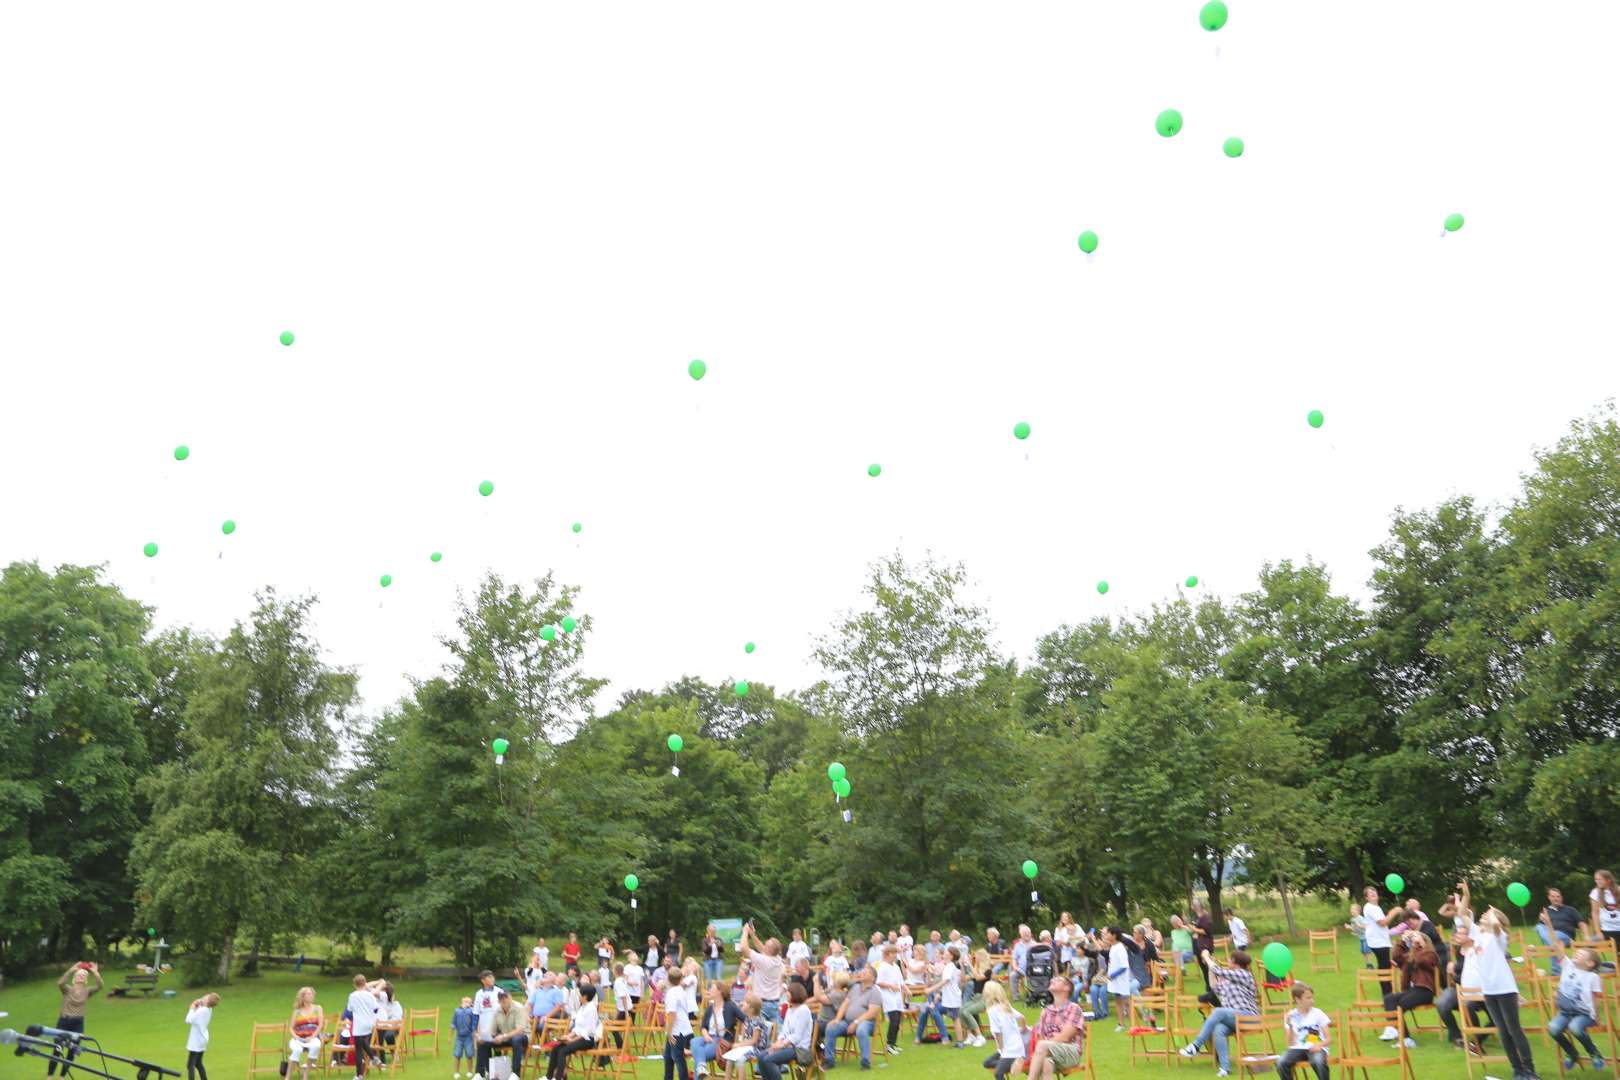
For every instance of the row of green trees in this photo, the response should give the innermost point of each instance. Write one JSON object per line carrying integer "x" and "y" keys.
{"x": 229, "y": 793}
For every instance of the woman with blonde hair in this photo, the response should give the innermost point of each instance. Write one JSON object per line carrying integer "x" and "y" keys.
{"x": 1496, "y": 981}
{"x": 1006, "y": 1027}
{"x": 307, "y": 1021}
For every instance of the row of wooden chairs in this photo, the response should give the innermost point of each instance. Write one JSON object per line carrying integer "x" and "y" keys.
{"x": 416, "y": 1034}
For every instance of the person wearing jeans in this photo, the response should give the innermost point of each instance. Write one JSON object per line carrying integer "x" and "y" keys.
{"x": 1377, "y": 931}
{"x": 1239, "y": 996}
{"x": 586, "y": 1029}
{"x": 719, "y": 1021}
{"x": 1497, "y": 982}
{"x": 797, "y": 1039}
{"x": 76, "y": 993}
{"x": 1559, "y": 922}
{"x": 713, "y": 950}
{"x": 858, "y": 1013}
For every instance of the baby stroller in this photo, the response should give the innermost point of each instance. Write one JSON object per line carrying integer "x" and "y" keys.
{"x": 1038, "y": 968}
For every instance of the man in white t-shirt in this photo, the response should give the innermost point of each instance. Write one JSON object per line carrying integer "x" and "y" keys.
{"x": 765, "y": 970}
{"x": 1238, "y": 929}
{"x": 1378, "y": 923}
{"x": 363, "y": 1006}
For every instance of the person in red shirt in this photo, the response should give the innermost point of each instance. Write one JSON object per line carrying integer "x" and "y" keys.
{"x": 571, "y": 952}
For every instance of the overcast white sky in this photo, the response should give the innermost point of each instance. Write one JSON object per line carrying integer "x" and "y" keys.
{"x": 501, "y": 231}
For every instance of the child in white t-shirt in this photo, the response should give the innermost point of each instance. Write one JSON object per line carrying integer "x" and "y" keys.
{"x": 1580, "y": 991}
{"x": 197, "y": 1017}
{"x": 1306, "y": 1028}
{"x": 1238, "y": 929}
{"x": 1006, "y": 1027}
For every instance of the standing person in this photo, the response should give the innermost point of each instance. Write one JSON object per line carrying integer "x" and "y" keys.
{"x": 1203, "y": 939}
{"x": 571, "y": 951}
{"x": 798, "y": 949}
{"x": 76, "y": 994}
{"x": 1464, "y": 976}
{"x": 464, "y": 1026}
{"x": 835, "y": 961}
{"x": 1579, "y": 1004}
{"x": 1119, "y": 974}
{"x": 622, "y": 1004}
{"x": 1007, "y": 1027}
{"x": 718, "y": 1025}
{"x": 1181, "y": 942}
{"x": 673, "y": 946}
{"x": 1020, "y": 959}
{"x": 635, "y": 977}
{"x": 859, "y": 1013}
{"x": 766, "y": 970}
{"x": 197, "y": 1017}
{"x": 604, "y": 955}
{"x": 305, "y": 1025}
{"x": 1235, "y": 988}
{"x": 587, "y": 1027}
{"x": 1605, "y": 897}
{"x": 486, "y": 999}
{"x": 1238, "y": 929}
{"x": 1560, "y": 922}
{"x": 1358, "y": 926}
{"x": 652, "y": 951}
{"x": 1059, "y": 1032}
{"x": 1378, "y": 942}
{"x": 363, "y": 1008}
{"x": 678, "y": 1011}
{"x": 904, "y": 942}
{"x": 950, "y": 993}
{"x": 714, "y": 952}
{"x": 1501, "y": 990}
{"x": 891, "y": 983}
{"x": 1419, "y": 964}
{"x": 1305, "y": 1028}
{"x": 389, "y": 1011}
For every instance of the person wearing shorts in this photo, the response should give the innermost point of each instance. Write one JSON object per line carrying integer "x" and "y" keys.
{"x": 1058, "y": 1033}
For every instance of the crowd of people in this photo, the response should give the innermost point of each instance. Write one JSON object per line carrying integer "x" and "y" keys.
{"x": 786, "y": 1004}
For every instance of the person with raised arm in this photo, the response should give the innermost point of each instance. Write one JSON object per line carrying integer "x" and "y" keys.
{"x": 766, "y": 970}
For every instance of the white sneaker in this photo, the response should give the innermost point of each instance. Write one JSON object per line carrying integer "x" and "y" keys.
{"x": 1222, "y": 1072}
{"x": 1389, "y": 1034}
{"x": 1411, "y": 1043}
{"x": 1189, "y": 1051}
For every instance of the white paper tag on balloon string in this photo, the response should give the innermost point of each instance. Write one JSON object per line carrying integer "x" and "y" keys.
{"x": 846, "y": 817}
{"x": 1034, "y": 897}
{"x": 674, "y": 770}
{"x": 632, "y": 901}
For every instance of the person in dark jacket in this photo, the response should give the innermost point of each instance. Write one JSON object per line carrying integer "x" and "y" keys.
{"x": 718, "y": 1024}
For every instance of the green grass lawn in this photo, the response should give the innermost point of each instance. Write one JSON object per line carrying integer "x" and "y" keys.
{"x": 154, "y": 1030}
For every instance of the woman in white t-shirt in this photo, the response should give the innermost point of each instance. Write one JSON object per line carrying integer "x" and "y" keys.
{"x": 1605, "y": 896}
{"x": 678, "y": 1009}
{"x": 1306, "y": 1029}
{"x": 1118, "y": 973}
{"x": 1376, "y": 934}
{"x": 1499, "y": 987}
{"x": 1007, "y": 1027}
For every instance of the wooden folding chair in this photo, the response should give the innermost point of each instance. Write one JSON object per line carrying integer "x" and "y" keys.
{"x": 1369, "y": 985}
{"x": 1474, "y": 1035}
{"x": 1149, "y": 1039}
{"x": 1358, "y": 1039}
{"x": 605, "y": 1059}
{"x": 1223, "y": 949}
{"x": 267, "y": 1040}
{"x": 1608, "y": 1020}
{"x": 336, "y": 1054}
{"x": 392, "y": 1053}
{"x": 1255, "y": 1046}
{"x": 1085, "y": 1067}
{"x": 1186, "y": 1021}
{"x": 424, "y": 1025}
{"x": 1276, "y": 993}
{"x": 1325, "y": 950}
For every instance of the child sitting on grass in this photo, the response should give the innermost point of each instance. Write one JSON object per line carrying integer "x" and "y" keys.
{"x": 464, "y": 1022}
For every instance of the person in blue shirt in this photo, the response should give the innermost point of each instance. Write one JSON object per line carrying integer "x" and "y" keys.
{"x": 463, "y": 1022}
{"x": 546, "y": 1003}
{"x": 1020, "y": 956}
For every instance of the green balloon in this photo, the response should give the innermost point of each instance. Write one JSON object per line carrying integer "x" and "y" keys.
{"x": 835, "y": 771}
{"x": 151, "y": 931}
{"x": 1315, "y": 418}
{"x": 578, "y": 526}
{"x": 1233, "y": 147}
{"x": 286, "y": 337}
{"x": 500, "y": 746}
{"x": 748, "y": 648}
{"x": 697, "y": 369}
{"x": 1102, "y": 588}
{"x": 1030, "y": 869}
{"x": 1192, "y": 581}
{"x": 486, "y": 488}
{"x": 568, "y": 624}
{"x": 150, "y": 549}
{"x": 228, "y": 528}
{"x": 1453, "y": 222}
{"x": 548, "y": 633}
{"x": 386, "y": 580}
{"x": 1277, "y": 958}
{"x": 1519, "y": 893}
{"x": 436, "y": 556}
{"x": 1168, "y": 123}
{"x": 1088, "y": 241}
{"x": 873, "y": 470}
{"x": 1020, "y": 430}
{"x": 1212, "y": 16}
{"x": 632, "y": 882}
{"x": 674, "y": 742}
{"x": 181, "y": 453}
{"x": 841, "y": 785}
{"x": 1395, "y": 883}
{"x": 741, "y": 688}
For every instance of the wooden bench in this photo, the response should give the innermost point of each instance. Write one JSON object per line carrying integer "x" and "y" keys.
{"x": 135, "y": 981}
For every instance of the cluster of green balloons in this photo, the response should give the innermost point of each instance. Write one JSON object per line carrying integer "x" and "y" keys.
{"x": 1277, "y": 959}
{"x": 839, "y": 778}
